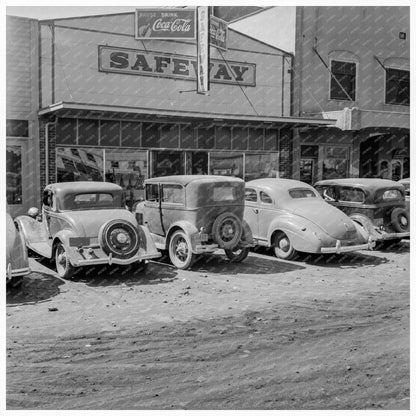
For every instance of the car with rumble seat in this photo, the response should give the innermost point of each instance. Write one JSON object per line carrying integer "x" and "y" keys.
{"x": 378, "y": 205}
{"x": 290, "y": 216}
{"x": 189, "y": 215}
{"x": 84, "y": 224}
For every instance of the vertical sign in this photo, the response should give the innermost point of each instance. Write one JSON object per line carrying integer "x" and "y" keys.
{"x": 203, "y": 50}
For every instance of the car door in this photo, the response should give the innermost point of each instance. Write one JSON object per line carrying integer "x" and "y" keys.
{"x": 266, "y": 214}
{"x": 153, "y": 213}
{"x": 251, "y": 211}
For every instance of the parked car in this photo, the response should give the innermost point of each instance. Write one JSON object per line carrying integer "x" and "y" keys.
{"x": 188, "y": 215}
{"x": 17, "y": 263}
{"x": 86, "y": 223}
{"x": 377, "y": 204}
{"x": 291, "y": 216}
{"x": 406, "y": 183}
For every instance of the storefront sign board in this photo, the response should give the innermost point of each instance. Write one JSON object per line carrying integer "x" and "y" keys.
{"x": 203, "y": 50}
{"x": 164, "y": 65}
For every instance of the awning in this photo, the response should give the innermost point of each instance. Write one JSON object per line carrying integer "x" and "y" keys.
{"x": 70, "y": 109}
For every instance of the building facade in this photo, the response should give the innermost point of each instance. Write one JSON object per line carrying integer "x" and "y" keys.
{"x": 352, "y": 64}
{"x": 107, "y": 105}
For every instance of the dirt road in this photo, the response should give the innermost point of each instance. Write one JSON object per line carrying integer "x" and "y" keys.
{"x": 319, "y": 333}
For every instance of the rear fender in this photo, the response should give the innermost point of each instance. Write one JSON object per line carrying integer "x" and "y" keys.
{"x": 63, "y": 237}
{"x": 187, "y": 227}
{"x": 247, "y": 235}
{"x": 304, "y": 237}
{"x": 147, "y": 245}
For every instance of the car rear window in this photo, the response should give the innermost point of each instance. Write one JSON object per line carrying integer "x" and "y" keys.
{"x": 351, "y": 195}
{"x": 302, "y": 193}
{"x": 224, "y": 193}
{"x": 92, "y": 200}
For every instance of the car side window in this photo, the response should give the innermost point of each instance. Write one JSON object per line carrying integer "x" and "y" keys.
{"x": 250, "y": 195}
{"x": 327, "y": 193}
{"x": 351, "y": 195}
{"x": 152, "y": 192}
{"x": 173, "y": 194}
{"x": 265, "y": 198}
{"x": 47, "y": 199}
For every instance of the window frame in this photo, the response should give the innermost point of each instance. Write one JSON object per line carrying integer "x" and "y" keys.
{"x": 332, "y": 75}
{"x": 385, "y": 85}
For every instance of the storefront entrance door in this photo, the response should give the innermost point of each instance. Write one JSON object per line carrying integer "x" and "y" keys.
{"x": 19, "y": 171}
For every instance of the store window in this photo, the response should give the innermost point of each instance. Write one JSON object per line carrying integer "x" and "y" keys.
{"x": 88, "y": 132}
{"x": 17, "y": 128}
{"x": 397, "y": 86}
{"x": 109, "y": 133}
{"x": 223, "y": 137}
{"x": 261, "y": 166}
{"x": 169, "y": 136}
{"x": 66, "y": 131}
{"x": 150, "y": 135}
{"x": 14, "y": 175}
{"x": 206, "y": 138}
{"x": 228, "y": 164}
{"x": 130, "y": 134}
{"x": 335, "y": 163}
{"x": 343, "y": 80}
{"x": 240, "y": 138}
{"x": 188, "y": 137}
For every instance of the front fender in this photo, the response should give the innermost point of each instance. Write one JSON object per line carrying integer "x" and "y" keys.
{"x": 365, "y": 226}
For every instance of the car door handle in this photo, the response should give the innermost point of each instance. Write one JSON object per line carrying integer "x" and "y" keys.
{"x": 256, "y": 211}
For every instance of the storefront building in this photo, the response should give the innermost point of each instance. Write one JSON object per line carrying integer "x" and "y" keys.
{"x": 118, "y": 108}
{"x": 351, "y": 68}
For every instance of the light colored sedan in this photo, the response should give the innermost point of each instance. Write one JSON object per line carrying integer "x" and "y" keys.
{"x": 291, "y": 216}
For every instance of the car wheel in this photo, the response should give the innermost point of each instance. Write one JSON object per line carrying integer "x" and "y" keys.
{"x": 63, "y": 266}
{"x": 227, "y": 230}
{"x": 180, "y": 252}
{"x": 400, "y": 220}
{"x": 283, "y": 247}
{"x": 237, "y": 255}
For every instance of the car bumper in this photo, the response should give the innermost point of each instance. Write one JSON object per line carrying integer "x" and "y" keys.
{"x": 339, "y": 248}
{"x": 11, "y": 273}
{"x": 393, "y": 236}
{"x": 113, "y": 260}
{"x": 205, "y": 248}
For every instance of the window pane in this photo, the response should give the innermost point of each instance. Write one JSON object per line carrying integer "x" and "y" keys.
{"x": 88, "y": 132}
{"x": 344, "y": 73}
{"x": 128, "y": 169}
{"x": 150, "y": 135}
{"x": 206, "y": 138}
{"x": 130, "y": 134}
{"x": 223, "y": 138}
{"x": 66, "y": 131}
{"x": 302, "y": 193}
{"x": 14, "y": 175}
{"x": 169, "y": 136}
{"x": 397, "y": 87}
{"x": 152, "y": 192}
{"x": 261, "y": 166}
{"x": 256, "y": 139}
{"x": 240, "y": 138}
{"x": 351, "y": 195}
{"x": 228, "y": 164}
{"x": 270, "y": 139}
{"x": 250, "y": 195}
{"x": 110, "y": 133}
{"x": 173, "y": 194}
{"x": 265, "y": 198}
{"x": 188, "y": 137}
{"x": 79, "y": 164}
{"x": 17, "y": 128}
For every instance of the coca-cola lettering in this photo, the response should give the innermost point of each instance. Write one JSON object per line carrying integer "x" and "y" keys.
{"x": 130, "y": 61}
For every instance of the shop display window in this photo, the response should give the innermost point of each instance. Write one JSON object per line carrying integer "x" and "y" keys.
{"x": 223, "y": 137}
{"x": 255, "y": 139}
{"x": 169, "y": 136}
{"x": 14, "y": 175}
{"x": 228, "y": 164}
{"x": 261, "y": 166}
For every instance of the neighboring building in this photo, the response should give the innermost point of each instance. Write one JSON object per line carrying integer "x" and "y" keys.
{"x": 109, "y": 106}
{"x": 367, "y": 50}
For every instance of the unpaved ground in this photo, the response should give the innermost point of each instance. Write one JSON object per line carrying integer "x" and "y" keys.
{"x": 319, "y": 333}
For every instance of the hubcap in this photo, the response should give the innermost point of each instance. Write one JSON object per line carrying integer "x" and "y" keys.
{"x": 403, "y": 221}
{"x": 284, "y": 244}
{"x": 181, "y": 249}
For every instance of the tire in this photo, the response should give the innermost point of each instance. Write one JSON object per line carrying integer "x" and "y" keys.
{"x": 283, "y": 247}
{"x": 119, "y": 238}
{"x": 227, "y": 230}
{"x": 400, "y": 220}
{"x": 180, "y": 253}
{"x": 63, "y": 266}
{"x": 237, "y": 255}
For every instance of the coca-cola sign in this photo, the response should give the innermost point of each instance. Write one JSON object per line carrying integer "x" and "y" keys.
{"x": 166, "y": 23}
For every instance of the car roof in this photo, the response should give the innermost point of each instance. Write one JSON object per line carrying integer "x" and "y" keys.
{"x": 185, "y": 179}
{"x": 279, "y": 187}
{"x": 369, "y": 183}
{"x": 84, "y": 186}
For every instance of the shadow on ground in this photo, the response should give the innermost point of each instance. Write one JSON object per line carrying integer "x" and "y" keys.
{"x": 35, "y": 287}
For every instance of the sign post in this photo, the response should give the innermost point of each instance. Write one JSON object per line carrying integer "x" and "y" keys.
{"x": 202, "y": 50}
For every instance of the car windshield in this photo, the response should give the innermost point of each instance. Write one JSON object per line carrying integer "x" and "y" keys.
{"x": 92, "y": 200}
{"x": 302, "y": 193}
{"x": 351, "y": 195}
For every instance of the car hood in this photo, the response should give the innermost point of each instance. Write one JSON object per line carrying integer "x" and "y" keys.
{"x": 329, "y": 219}
{"x": 88, "y": 223}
